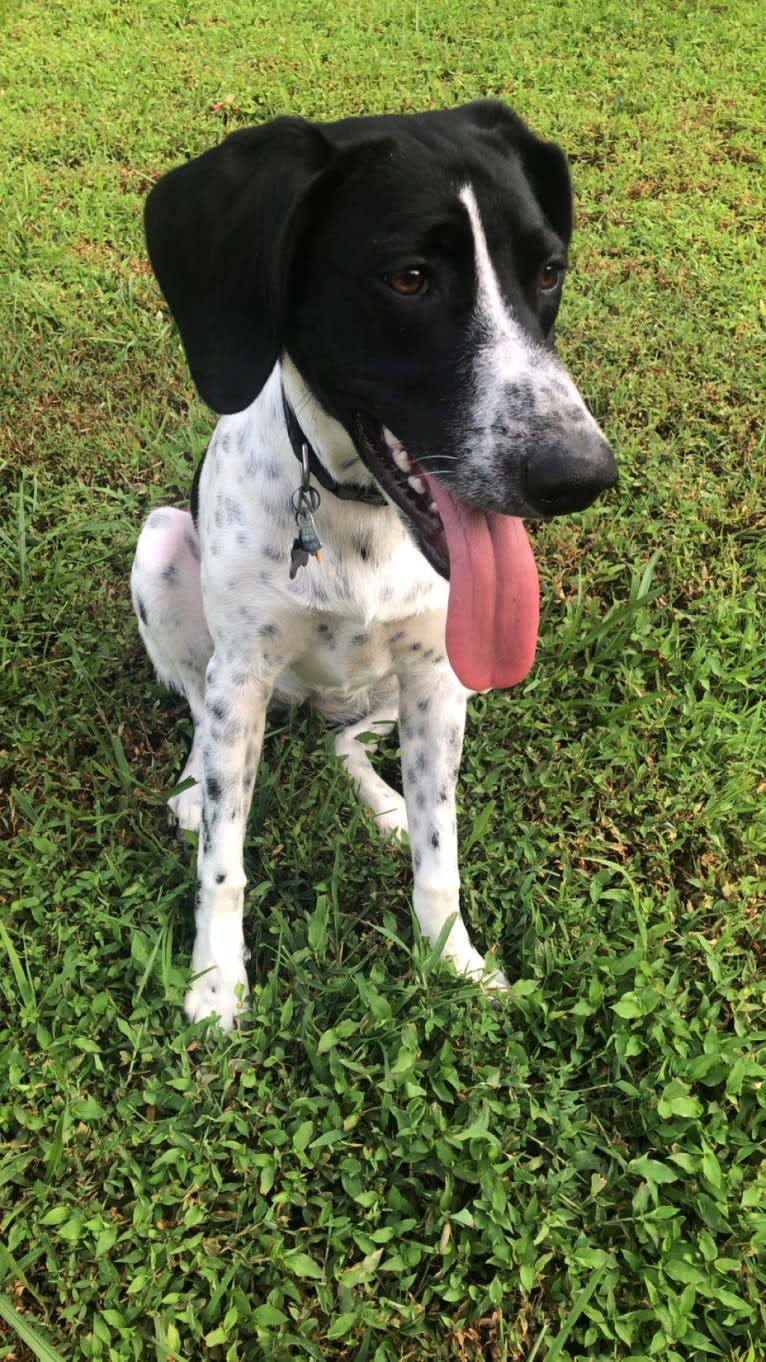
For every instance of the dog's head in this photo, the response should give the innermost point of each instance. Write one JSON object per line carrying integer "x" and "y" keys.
{"x": 411, "y": 266}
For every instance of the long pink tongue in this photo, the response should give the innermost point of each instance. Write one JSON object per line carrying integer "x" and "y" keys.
{"x": 494, "y": 594}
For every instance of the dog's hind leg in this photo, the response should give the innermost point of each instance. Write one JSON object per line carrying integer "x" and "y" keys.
{"x": 167, "y": 599}
{"x": 385, "y": 804}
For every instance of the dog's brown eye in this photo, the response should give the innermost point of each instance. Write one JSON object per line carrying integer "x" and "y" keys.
{"x": 549, "y": 278}
{"x": 407, "y": 283}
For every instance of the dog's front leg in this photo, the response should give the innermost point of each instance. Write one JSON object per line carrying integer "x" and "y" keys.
{"x": 234, "y": 719}
{"x": 431, "y": 723}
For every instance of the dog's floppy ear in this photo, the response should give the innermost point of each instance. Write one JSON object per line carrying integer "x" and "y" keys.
{"x": 220, "y": 231}
{"x": 544, "y": 163}
{"x": 546, "y": 168}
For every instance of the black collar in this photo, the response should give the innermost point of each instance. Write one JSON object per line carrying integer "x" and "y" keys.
{"x": 347, "y": 491}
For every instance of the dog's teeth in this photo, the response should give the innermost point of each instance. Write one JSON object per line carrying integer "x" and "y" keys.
{"x": 397, "y": 451}
{"x": 417, "y": 485}
{"x": 433, "y": 507}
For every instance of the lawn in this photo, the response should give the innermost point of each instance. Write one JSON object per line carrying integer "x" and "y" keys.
{"x": 382, "y": 1165}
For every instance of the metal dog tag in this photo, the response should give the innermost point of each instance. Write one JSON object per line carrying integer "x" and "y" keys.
{"x": 307, "y": 543}
{"x": 298, "y": 558}
{"x": 307, "y": 531}
{"x": 304, "y": 501}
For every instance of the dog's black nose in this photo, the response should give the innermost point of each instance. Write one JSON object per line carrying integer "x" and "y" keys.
{"x": 559, "y": 479}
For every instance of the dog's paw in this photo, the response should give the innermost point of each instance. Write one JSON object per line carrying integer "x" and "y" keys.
{"x": 392, "y": 821}
{"x": 494, "y": 980}
{"x": 470, "y": 962}
{"x": 214, "y": 995}
{"x": 186, "y": 807}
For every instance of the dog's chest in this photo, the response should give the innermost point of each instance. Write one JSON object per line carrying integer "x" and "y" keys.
{"x": 343, "y": 655}
{"x": 363, "y": 610}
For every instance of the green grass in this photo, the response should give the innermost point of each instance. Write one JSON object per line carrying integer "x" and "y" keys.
{"x": 382, "y": 1165}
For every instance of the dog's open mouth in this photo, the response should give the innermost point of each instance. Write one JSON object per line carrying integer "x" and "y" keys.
{"x": 406, "y": 484}
{"x": 494, "y": 599}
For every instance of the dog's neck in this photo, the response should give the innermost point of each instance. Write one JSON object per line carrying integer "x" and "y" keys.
{"x": 312, "y": 466}
{"x": 332, "y": 444}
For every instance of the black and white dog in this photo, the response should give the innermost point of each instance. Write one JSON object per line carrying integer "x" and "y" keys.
{"x": 371, "y": 304}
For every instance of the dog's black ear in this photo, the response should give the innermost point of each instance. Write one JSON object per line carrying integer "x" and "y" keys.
{"x": 220, "y": 231}
{"x": 544, "y": 163}
{"x": 546, "y": 168}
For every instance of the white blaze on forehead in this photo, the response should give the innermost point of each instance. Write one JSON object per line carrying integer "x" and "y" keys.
{"x": 506, "y": 352}
{"x": 491, "y": 306}
{"x": 505, "y": 357}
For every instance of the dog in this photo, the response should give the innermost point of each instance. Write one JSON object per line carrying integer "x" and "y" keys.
{"x": 369, "y": 306}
